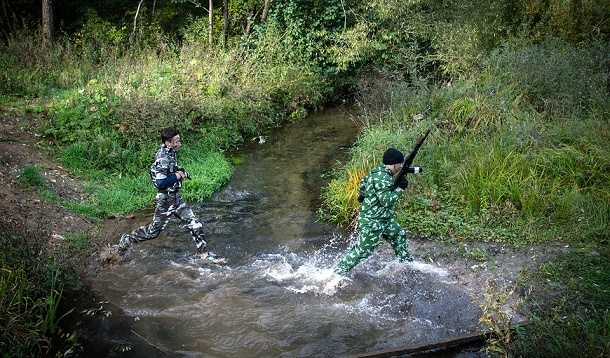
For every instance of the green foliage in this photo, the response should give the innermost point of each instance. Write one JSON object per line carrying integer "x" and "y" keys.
{"x": 568, "y": 336}
{"x": 497, "y": 318}
{"x": 570, "y": 20}
{"x": 117, "y": 195}
{"x": 493, "y": 168}
{"x": 583, "y": 274}
{"x": 30, "y": 293}
{"x": 121, "y": 194}
{"x": 208, "y": 169}
{"x": 308, "y": 27}
{"x": 103, "y": 155}
{"x": 98, "y": 40}
{"x": 108, "y": 121}
{"x": 31, "y": 176}
{"x": 557, "y": 77}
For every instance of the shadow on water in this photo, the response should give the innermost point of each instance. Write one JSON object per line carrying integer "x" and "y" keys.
{"x": 277, "y": 295}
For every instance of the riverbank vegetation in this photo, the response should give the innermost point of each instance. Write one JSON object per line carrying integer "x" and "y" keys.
{"x": 516, "y": 95}
{"x": 33, "y": 291}
{"x": 518, "y": 154}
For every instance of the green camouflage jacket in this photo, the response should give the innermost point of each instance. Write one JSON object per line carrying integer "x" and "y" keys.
{"x": 379, "y": 198}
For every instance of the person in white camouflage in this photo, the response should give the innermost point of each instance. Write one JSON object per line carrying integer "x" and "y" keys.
{"x": 167, "y": 177}
{"x": 376, "y": 217}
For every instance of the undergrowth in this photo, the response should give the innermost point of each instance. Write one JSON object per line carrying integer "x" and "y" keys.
{"x": 501, "y": 164}
{"x": 31, "y": 293}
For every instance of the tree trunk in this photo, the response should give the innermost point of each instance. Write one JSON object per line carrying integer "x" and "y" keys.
{"x": 48, "y": 25}
{"x": 225, "y": 24}
{"x": 211, "y": 23}
{"x": 135, "y": 22}
{"x": 11, "y": 18}
{"x": 266, "y": 10}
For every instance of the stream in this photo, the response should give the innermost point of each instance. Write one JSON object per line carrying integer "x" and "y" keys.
{"x": 276, "y": 296}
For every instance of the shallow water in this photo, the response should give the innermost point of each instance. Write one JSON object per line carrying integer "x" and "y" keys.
{"x": 277, "y": 295}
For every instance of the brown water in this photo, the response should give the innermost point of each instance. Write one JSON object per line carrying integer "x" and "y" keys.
{"x": 277, "y": 295}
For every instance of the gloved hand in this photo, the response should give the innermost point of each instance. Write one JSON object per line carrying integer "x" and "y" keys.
{"x": 404, "y": 183}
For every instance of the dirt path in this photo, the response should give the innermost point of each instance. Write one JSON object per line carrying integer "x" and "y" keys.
{"x": 19, "y": 149}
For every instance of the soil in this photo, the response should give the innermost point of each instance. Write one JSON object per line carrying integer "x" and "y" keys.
{"x": 20, "y": 147}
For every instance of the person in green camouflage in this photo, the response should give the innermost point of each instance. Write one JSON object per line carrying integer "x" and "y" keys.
{"x": 376, "y": 217}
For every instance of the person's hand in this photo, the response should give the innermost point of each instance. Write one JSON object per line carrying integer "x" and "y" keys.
{"x": 181, "y": 175}
{"x": 404, "y": 183}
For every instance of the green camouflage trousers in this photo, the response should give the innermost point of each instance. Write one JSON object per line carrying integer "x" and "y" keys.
{"x": 168, "y": 204}
{"x": 369, "y": 238}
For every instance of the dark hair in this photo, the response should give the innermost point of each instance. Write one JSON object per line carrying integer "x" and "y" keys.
{"x": 167, "y": 134}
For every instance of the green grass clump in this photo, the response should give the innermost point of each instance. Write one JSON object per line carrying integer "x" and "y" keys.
{"x": 208, "y": 169}
{"x": 31, "y": 176}
{"x": 572, "y": 336}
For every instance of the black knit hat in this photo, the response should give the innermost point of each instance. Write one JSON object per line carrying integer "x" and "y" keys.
{"x": 393, "y": 156}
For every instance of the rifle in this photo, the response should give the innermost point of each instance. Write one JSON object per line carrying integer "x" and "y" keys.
{"x": 406, "y": 166}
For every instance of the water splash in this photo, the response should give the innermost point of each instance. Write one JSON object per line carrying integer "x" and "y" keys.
{"x": 395, "y": 267}
{"x": 300, "y": 275}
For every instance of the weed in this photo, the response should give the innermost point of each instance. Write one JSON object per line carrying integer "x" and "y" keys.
{"x": 31, "y": 176}
{"x": 499, "y": 306}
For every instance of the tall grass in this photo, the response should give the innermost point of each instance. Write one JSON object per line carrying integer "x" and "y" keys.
{"x": 519, "y": 154}
{"x": 117, "y": 194}
{"x": 31, "y": 176}
{"x": 572, "y": 336}
{"x": 31, "y": 293}
{"x": 498, "y": 155}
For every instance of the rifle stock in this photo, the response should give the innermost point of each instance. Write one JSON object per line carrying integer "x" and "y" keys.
{"x": 406, "y": 167}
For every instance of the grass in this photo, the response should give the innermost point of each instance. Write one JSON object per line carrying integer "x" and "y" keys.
{"x": 514, "y": 159}
{"x": 209, "y": 169}
{"x": 577, "y": 322}
{"x": 102, "y": 119}
{"x": 493, "y": 161}
{"x": 31, "y": 176}
{"x": 31, "y": 293}
{"x": 573, "y": 336}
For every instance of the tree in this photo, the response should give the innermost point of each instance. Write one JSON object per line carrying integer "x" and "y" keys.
{"x": 48, "y": 24}
{"x": 266, "y": 10}
{"x": 225, "y": 24}
{"x": 211, "y": 22}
